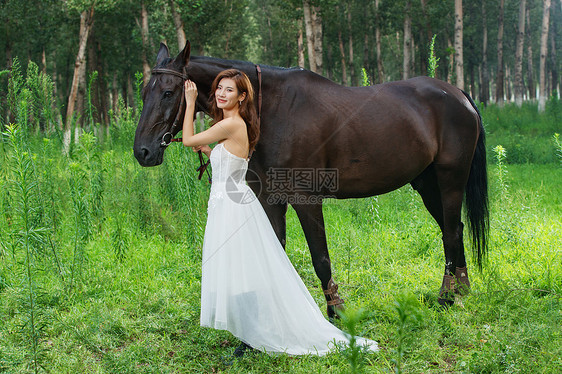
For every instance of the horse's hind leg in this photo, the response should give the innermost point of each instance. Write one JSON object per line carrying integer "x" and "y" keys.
{"x": 312, "y": 222}
{"x": 442, "y": 196}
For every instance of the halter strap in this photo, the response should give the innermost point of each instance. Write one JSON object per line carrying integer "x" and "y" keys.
{"x": 168, "y": 137}
{"x": 169, "y": 71}
{"x": 258, "y": 70}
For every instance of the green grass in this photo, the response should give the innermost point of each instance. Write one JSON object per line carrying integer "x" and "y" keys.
{"x": 526, "y": 134}
{"x": 132, "y": 306}
{"x": 140, "y": 314}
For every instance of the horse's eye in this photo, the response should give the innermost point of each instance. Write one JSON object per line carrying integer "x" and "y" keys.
{"x": 168, "y": 94}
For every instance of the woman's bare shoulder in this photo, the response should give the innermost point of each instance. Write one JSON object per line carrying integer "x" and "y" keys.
{"x": 232, "y": 123}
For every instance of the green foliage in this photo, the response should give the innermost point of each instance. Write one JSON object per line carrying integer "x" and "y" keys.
{"x": 558, "y": 145}
{"x": 407, "y": 308}
{"x": 364, "y": 78}
{"x": 100, "y": 263}
{"x": 500, "y": 155}
{"x": 432, "y": 60}
{"x": 28, "y": 236}
{"x": 30, "y": 99}
{"x": 90, "y": 109}
{"x": 354, "y": 353}
{"x": 524, "y": 131}
{"x": 138, "y": 92}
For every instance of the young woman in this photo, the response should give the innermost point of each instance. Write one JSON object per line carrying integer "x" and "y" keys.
{"x": 248, "y": 285}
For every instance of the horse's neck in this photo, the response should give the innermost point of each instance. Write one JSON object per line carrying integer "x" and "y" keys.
{"x": 207, "y": 68}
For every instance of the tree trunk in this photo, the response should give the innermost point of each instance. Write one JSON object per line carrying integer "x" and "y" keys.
{"x": 343, "y": 63}
{"x": 318, "y": 38}
{"x": 8, "y": 54}
{"x": 93, "y": 65}
{"x": 380, "y": 68}
{"x": 115, "y": 94}
{"x": 424, "y": 51}
{"x": 300, "y": 46}
{"x": 43, "y": 61}
{"x": 485, "y": 85}
{"x": 472, "y": 81}
{"x": 459, "y": 65}
{"x": 543, "y": 54}
{"x": 144, "y": 37}
{"x": 86, "y": 22}
{"x": 407, "y": 60}
{"x": 178, "y": 23}
{"x": 269, "y": 45}
{"x": 499, "y": 78}
{"x": 518, "y": 82}
{"x": 530, "y": 70}
{"x": 508, "y": 81}
{"x": 309, "y": 36}
{"x": 554, "y": 86}
{"x": 102, "y": 84}
{"x": 80, "y": 101}
{"x": 352, "y": 74}
{"x": 451, "y": 66}
{"x": 366, "y": 59}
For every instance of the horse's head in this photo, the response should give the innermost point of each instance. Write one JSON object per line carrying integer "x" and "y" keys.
{"x": 163, "y": 107}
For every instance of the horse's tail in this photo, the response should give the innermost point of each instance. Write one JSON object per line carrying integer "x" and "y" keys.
{"x": 476, "y": 195}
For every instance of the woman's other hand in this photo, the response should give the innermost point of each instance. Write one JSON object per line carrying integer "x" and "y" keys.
{"x": 203, "y": 148}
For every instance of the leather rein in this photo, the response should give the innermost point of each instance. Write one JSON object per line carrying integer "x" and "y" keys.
{"x": 168, "y": 137}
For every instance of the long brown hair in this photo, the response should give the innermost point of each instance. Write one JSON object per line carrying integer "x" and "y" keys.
{"x": 247, "y": 108}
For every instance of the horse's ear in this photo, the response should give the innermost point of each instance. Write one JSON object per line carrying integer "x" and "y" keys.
{"x": 163, "y": 53}
{"x": 182, "y": 58}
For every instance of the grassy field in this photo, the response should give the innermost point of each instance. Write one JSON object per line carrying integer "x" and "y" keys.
{"x": 100, "y": 266}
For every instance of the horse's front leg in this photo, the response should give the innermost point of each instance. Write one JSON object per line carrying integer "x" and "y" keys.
{"x": 312, "y": 222}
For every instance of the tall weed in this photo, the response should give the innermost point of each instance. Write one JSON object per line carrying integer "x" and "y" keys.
{"x": 432, "y": 59}
{"x": 558, "y": 145}
{"x": 28, "y": 236}
{"x": 86, "y": 190}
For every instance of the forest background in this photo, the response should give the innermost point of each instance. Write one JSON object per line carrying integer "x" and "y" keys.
{"x": 498, "y": 51}
{"x": 100, "y": 258}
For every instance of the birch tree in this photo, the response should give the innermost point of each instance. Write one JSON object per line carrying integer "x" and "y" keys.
{"x": 459, "y": 65}
{"x": 380, "y": 67}
{"x": 485, "y": 80}
{"x": 309, "y": 35}
{"x": 500, "y": 75}
{"x": 543, "y": 55}
{"x": 144, "y": 36}
{"x": 86, "y": 23}
{"x": 519, "y": 88}
{"x": 530, "y": 71}
{"x": 407, "y": 56}
{"x": 178, "y": 24}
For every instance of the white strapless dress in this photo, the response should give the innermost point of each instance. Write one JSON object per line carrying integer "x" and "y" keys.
{"x": 249, "y": 287}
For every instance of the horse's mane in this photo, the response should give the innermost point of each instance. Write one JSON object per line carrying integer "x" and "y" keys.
{"x": 237, "y": 63}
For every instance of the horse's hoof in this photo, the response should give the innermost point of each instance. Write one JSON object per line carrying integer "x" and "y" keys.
{"x": 334, "y": 311}
{"x": 446, "y": 302}
{"x": 462, "y": 284}
{"x": 335, "y": 302}
{"x": 447, "y": 291}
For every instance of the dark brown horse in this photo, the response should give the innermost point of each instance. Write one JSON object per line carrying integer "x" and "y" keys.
{"x": 321, "y": 139}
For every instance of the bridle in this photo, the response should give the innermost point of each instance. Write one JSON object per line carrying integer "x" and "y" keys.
{"x": 168, "y": 137}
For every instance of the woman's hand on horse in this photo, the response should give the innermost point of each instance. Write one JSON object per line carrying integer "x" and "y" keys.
{"x": 190, "y": 92}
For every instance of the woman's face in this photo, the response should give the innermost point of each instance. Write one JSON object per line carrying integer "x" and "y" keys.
{"x": 227, "y": 95}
